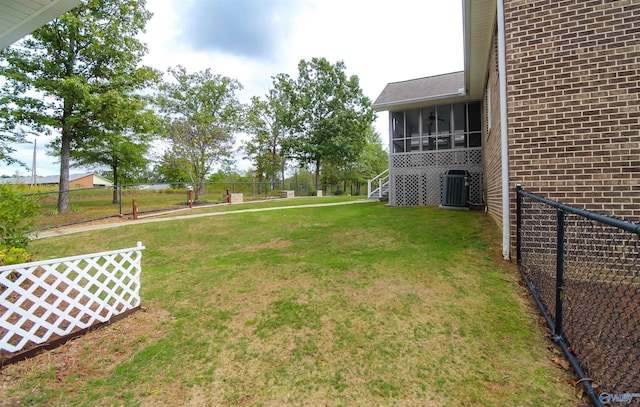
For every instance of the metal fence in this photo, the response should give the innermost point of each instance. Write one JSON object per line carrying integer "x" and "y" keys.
{"x": 46, "y": 302}
{"x": 100, "y": 203}
{"x": 582, "y": 269}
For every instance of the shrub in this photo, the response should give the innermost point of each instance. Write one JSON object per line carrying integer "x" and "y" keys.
{"x": 17, "y": 214}
{"x": 14, "y": 255}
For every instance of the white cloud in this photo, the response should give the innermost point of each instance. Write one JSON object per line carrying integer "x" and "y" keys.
{"x": 379, "y": 41}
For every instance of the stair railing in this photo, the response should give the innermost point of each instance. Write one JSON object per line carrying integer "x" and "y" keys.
{"x": 378, "y": 185}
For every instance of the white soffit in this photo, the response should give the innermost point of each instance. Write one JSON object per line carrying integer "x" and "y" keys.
{"x": 19, "y": 18}
{"x": 479, "y": 27}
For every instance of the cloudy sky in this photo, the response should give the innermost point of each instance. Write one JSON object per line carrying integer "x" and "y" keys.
{"x": 254, "y": 40}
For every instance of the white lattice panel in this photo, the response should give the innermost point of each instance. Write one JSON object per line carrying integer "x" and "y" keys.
{"x": 416, "y": 178}
{"x": 53, "y": 298}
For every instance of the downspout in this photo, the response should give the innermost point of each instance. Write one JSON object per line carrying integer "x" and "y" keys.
{"x": 392, "y": 192}
{"x": 504, "y": 141}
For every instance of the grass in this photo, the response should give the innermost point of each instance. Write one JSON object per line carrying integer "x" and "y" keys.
{"x": 346, "y": 305}
{"x": 97, "y": 203}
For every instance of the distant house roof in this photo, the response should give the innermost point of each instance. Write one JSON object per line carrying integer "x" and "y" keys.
{"x": 55, "y": 179}
{"x": 399, "y": 95}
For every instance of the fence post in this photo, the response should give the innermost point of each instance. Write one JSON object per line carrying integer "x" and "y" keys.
{"x": 518, "y": 224}
{"x": 120, "y": 197}
{"x": 559, "y": 273}
{"x": 135, "y": 209}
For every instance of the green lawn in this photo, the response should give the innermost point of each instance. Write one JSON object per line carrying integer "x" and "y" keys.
{"x": 355, "y": 305}
{"x": 97, "y": 203}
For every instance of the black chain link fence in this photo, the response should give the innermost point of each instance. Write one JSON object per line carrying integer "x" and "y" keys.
{"x": 582, "y": 269}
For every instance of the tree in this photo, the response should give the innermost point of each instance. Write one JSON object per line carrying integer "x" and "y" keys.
{"x": 228, "y": 172}
{"x": 17, "y": 215}
{"x": 267, "y": 122}
{"x": 77, "y": 77}
{"x": 330, "y": 115}
{"x": 201, "y": 114}
{"x": 373, "y": 159}
{"x": 124, "y": 156}
{"x": 171, "y": 169}
{"x": 7, "y": 135}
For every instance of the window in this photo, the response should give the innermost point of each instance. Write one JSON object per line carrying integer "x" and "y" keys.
{"x": 397, "y": 131}
{"x": 443, "y": 122}
{"x": 397, "y": 124}
{"x": 413, "y": 130}
{"x": 451, "y": 126}
{"x": 475, "y": 124}
{"x": 475, "y": 121}
{"x": 459, "y": 125}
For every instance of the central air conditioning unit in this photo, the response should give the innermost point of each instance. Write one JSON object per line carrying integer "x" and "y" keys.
{"x": 455, "y": 189}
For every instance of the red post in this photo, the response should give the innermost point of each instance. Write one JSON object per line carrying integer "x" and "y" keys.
{"x": 228, "y": 196}
{"x": 190, "y": 198}
{"x": 135, "y": 209}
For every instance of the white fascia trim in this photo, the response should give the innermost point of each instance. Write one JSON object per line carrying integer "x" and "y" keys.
{"x": 381, "y": 107}
{"x": 36, "y": 20}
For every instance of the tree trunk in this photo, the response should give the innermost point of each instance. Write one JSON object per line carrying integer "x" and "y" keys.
{"x": 65, "y": 156}
{"x": 115, "y": 181}
{"x": 200, "y": 190}
{"x": 66, "y": 133}
{"x": 283, "y": 165}
{"x": 197, "y": 180}
{"x": 317, "y": 175}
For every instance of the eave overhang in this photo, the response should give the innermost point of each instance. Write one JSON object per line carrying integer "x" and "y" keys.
{"x": 479, "y": 22}
{"x": 19, "y": 18}
{"x": 479, "y": 19}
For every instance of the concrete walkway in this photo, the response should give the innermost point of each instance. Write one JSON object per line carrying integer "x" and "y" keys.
{"x": 70, "y": 230}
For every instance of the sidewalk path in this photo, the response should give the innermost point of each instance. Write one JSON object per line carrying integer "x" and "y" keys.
{"x": 67, "y": 231}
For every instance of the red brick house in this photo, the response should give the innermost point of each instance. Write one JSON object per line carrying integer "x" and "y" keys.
{"x": 555, "y": 85}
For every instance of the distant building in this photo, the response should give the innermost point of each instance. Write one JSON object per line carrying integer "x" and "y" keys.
{"x": 87, "y": 180}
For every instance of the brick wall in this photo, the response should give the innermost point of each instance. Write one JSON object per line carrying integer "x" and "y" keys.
{"x": 573, "y": 80}
{"x": 491, "y": 140}
{"x": 84, "y": 182}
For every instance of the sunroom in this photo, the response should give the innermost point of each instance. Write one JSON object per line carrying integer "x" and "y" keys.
{"x": 435, "y": 138}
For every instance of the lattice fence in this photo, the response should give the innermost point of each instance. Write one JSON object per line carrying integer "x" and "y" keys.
{"x": 47, "y": 300}
{"x": 416, "y": 178}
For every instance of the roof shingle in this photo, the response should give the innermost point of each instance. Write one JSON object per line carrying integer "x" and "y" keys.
{"x": 421, "y": 89}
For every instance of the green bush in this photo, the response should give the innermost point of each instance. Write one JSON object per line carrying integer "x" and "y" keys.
{"x": 17, "y": 215}
{"x": 14, "y": 255}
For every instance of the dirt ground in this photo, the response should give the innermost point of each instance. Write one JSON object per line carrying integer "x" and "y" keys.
{"x": 93, "y": 355}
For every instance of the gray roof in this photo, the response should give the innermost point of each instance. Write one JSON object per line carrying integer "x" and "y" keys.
{"x": 421, "y": 90}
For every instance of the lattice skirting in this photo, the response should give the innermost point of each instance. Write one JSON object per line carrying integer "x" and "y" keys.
{"x": 415, "y": 179}
{"x": 47, "y": 300}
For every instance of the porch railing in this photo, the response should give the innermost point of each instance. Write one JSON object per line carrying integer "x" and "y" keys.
{"x": 379, "y": 185}
{"x": 48, "y": 300}
{"x": 582, "y": 269}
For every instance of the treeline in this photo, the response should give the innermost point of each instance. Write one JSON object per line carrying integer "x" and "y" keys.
{"x": 80, "y": 78}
